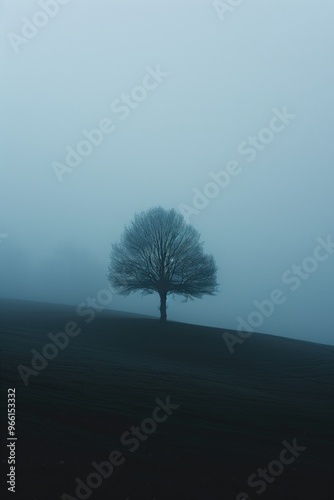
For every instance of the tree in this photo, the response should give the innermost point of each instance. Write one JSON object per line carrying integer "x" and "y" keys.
{"x": 160, "y": 252}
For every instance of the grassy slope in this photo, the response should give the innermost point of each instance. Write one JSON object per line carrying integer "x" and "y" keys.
{"x": 235, "y": 410}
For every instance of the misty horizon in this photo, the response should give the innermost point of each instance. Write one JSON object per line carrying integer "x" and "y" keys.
{"x": 230, "y": 128}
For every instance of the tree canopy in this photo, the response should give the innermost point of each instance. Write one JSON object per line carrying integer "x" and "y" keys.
{"x": 160, "y": 252}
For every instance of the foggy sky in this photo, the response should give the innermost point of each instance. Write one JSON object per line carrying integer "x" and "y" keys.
{"x": 223, "y": 77}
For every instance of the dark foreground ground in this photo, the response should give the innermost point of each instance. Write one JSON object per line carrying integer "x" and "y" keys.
{"x": 234, "y": 410}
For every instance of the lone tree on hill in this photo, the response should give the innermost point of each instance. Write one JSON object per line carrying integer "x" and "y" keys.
{"x": 160, "y": 252}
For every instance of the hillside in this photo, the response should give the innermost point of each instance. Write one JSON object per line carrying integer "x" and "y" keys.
{"x": 234, "y": 410}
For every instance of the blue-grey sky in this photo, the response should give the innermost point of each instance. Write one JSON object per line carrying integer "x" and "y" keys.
{"x": 204, "y": 81}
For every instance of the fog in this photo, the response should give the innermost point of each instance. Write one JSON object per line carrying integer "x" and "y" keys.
{"x": 214, "y": 80}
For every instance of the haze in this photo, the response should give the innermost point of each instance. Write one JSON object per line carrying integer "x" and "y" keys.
{"x": 225, "y": 78}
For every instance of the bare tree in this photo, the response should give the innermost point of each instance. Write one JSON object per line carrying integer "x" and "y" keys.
{"x": 160, "y": 252}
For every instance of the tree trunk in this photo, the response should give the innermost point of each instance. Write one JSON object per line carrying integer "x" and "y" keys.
{"x": 163, "y": 307}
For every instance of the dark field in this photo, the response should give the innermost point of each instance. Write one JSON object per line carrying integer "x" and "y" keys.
{"x": 234, "y": 410}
